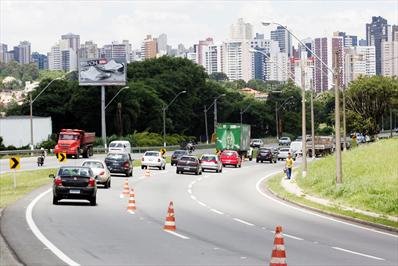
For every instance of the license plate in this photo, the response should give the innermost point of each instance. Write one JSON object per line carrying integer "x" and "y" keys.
{"x": 186, "y": 168}
{"x": 72, "y": 191}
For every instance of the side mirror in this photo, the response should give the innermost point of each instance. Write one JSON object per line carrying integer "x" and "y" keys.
{"x": 51, "y": 176}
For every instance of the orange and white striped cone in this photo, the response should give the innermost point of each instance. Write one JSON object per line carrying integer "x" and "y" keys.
{"x": 147, "y": 172}
{"x": 170, "y": 223}
{"x": 126, "y": 189}
{"x": 278, "y": 257}
{"x": 131, "y": 205}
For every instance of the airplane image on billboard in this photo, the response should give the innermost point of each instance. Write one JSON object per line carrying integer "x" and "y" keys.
{"x": 98, "y": 72}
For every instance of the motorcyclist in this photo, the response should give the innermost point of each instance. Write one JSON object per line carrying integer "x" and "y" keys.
{"x": 40, "y": 159}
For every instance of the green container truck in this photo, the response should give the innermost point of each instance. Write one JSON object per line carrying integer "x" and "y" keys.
{"x": 233, "y": 137}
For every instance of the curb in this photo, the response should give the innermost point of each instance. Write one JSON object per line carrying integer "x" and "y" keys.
{"x": 8, "y": 256}
{"x": 340, "y": 216}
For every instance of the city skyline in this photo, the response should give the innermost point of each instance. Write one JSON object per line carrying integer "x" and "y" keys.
{"x": 183, "y": 21}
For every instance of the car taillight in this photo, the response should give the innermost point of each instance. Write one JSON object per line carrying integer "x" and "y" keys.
{"x": 213, "y": 161}
{"x": 91, "y": 182}
{"x": 126, "y": 165}
{"x": 102, "y": 173}
{"x": 58, "y": 181}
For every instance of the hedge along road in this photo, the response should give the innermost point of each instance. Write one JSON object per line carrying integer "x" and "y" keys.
{"x": 220, "y": 218}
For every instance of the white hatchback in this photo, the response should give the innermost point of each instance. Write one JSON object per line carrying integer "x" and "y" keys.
{"x": 211, "y": 162}
{"x": 153, "y": 159}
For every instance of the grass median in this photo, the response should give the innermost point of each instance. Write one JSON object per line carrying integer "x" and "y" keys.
{"x": 370, "y": 182}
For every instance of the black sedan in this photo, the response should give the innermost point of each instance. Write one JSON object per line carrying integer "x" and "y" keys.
{"x": 177, "y": 154}
{"x": 189, "y": 164}
{"x": 266, "y": 154}
{"x": 74, "y": 182}
{"x": 120, "y": 163}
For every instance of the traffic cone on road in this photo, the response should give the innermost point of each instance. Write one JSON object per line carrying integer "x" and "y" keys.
{"x": 131, "y": 205}
{"x": 170, "y": 223}
{"x": 147, "y": 172}
{"x": 278, "y": 257}
{"x": 126, "y": 189}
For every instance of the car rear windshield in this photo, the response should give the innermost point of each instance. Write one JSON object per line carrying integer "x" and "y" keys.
{"x": 71, "y": 171}
{"x": 93, "y": 164}
{"x": 284, "y": 149}
{"x": 117, "y": 156}
{"x": 209, "y": 157}
{"x": 191, "y": 159}
{"x": 118, "y": 145}
{"x": 229, "y": 153}
{"x": 265, "y": 150}
{"x": 179, "y": 152}
{"x": 151, "y": 153}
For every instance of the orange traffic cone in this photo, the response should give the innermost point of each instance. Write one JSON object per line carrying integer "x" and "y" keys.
{"x": 170, "y": 223}
{"x": 126, "y": 189}
{"x": 147, "y": 172}
{"x": 131, "y": 205}
{"x": 278, "y": 257}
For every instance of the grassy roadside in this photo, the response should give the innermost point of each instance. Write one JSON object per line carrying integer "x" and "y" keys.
{"x": 26, "y": 182}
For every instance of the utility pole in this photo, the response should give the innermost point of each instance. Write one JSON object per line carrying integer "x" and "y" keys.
{"x": 164, "y": 125}
{"x": 207, "y": 134}
{"x": 303, "y": 124}
{"x": 337, "y": 119}
{"x": 312, "y": 124}
{"x": 276, "y": 121}
{"x": 103, "y": 120}
{"x": 31, "y": 121}
{"x": 344, "y": 123}
{"x": 390, "y": 122}
{"x": 215, "y": 114}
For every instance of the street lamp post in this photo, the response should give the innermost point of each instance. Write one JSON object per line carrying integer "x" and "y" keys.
{"x": 207, "y": 133}
{"x": 215, "y": 110}
{"x": 337, "y": 104}
{"x": 31, "y": 107}
{"x": 276, "y": 113}
{"x": 242, "y": 112}
{"x": 164, "y": 108}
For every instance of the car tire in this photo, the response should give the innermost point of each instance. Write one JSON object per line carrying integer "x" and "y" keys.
{"x": 106, "y": 184}
{"x": 177, "y": 172}
{"x": 160, "y": 167}
{"x": 220, "y": 170}
{"x": 223, "y": 165}
{"x": 200, "y": 173}
{"x": 109, "y": 183}
{"x": 55, "y": 200}
{"x": 240, "y": 165}
{"x": 142, "y": 167}
{"x": 93, "y": 201}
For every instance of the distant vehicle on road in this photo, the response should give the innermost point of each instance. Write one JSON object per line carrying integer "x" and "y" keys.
{"x": 75, "y": 142}
{"x": 120, "y": 163}
{"x": 101, "y": 172}
{"x": 323, "y": 145}
{"x": 120, "y": 146}
{"x": 283, "y": 153}
{"x": 188, "y": 163}
{"x": 229, "y": 157}
{"x": 297, "y": 147}
{"x": 153, "y": 159}
{"x": 284, "y": 141}
{"x": 74, "y": 182}
{"x": 256, "y": 143}
{"x": 266, "y": 154}
{"x": 177, "y": 154}
{"x": 211, "y": 162}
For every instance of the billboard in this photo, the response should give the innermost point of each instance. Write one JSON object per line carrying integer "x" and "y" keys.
{"x": 97, "y": 72}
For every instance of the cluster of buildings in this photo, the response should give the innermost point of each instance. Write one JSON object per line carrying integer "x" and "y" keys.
{"x": 244, "y": 55}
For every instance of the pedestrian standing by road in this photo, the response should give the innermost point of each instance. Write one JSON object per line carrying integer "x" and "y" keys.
{"x": 289, "y": 166}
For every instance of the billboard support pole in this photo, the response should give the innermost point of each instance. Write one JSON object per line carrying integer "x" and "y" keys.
{"x": 103, "y": 121}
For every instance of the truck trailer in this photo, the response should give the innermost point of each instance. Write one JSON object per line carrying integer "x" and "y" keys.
{"x": 235, "y": 137}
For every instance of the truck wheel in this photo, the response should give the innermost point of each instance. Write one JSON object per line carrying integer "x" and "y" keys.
{"x": 77, "y": 154}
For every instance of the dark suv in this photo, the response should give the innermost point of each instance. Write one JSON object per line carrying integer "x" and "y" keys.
{"x": 74, "y": 182}
{"x": 119, "y": 163}
{"x": 177, "y": 154}
{"x": 266, "y": 154}
{"x": 189, "y": 164}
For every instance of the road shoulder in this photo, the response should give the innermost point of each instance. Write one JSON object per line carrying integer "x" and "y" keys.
{"x": 7, "y": 255}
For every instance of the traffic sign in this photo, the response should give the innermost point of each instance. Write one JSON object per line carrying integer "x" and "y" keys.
{"x": 62, "y": 157}
{"x": 162, "y": 151}
{"x": 14, "y": 162}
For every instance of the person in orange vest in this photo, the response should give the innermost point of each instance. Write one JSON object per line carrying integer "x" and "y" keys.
{"x": 289, "y": 166}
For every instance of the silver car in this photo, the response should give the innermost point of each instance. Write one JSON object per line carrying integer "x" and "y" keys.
{"x": 211, "y": 162}
{"x": 101, "y": 172}
{"x": 153, "y": 159}
{"x": 283, "y": 153}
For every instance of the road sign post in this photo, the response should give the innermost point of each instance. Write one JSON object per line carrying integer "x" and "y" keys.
{"x": 14, "y": 165}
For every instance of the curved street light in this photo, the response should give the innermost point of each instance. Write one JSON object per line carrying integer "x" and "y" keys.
{"x": 164, "y": 108}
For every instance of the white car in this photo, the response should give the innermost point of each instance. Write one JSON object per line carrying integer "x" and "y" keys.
{"x": 256, "y": 143}
{"x": 211, "y": 162}
{"x": 101, "y": 172}
{"x": 120, "y": 146}
{"x": 283, "y": 152}
{"x": 153, "y": 159}
{"x": 296, "y": 147}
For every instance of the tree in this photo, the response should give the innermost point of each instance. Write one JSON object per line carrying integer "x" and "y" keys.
{"x": 218, "y": 76}
{"x": 368, "y": 98}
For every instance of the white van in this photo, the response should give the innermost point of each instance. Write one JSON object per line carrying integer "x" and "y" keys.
{"x": 296, "y": 147}
{"x": 120, "y": 146}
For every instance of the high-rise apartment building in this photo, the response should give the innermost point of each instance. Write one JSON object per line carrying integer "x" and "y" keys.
{"x": 338, "y": 57}
{"x": 241, "y": 30}
{"x": 282, "y": 36}
{"x": 306, "y": 64}
{"x": 162, "y": 44}
{"x": 362, "y": 42}
{"x": 116, "y": 50}
{"x": 376, "y": 32}
{"x": 41, "y": 60}
{"x": 73, "y": 41}
{"x": 261, "y": 64}
{"x": 359, "y": 60}
{"x": 22, "y": 53}
{"x": 89, "y": 50}
{"x": 199, "y": 49}
{"x": 68, "y": 60}
{"x": 321, "y": 82}
{"x": 237, "y": 60}
{"x": 149, "y": 47}
{"x": 55, "y": 58}
{"x": 3, "y": 53}
{"x": 213, "y": 58}
{"x": 348, "y": 40}
{"x": 389, "y": 57}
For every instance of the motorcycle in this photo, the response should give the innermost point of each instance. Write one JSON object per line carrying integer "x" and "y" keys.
{"x": 40, "y": 160}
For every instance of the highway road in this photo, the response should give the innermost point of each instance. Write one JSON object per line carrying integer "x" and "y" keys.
{"x": 221, "y": 218}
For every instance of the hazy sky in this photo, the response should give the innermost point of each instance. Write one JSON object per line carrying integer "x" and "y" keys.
{"x": 43, "y": 22}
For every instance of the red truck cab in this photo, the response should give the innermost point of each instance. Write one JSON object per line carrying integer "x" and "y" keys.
{"x": 75, "y": 142}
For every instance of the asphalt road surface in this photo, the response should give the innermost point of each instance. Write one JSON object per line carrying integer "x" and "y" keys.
{"x": 221, "y": 218}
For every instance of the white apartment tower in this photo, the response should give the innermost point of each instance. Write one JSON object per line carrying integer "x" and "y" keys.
{"x": 55, "y": 58}
{"x": 237, "y": 60}
{"x": 241, "y": 30}
{"x": 359, "y": 60}
{"x": 213, "y": 58}
{"x": 389, "y": 56}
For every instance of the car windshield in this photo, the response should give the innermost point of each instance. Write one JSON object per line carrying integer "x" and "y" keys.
{"x": 191, "y": 159}
{"x": 67, "y": 137}
{"x": 229, "y": 153}
{"x": 117, "y": 145}
{"x": 265, "y": 150}
{"x": 117, "y": 156}
{"x": 93, "y": 164}
{"x": 151, "y": 153}
{"x": 208, "y": 157}
{"x": 284, "y": 138}
{"x": 74, "y": 171}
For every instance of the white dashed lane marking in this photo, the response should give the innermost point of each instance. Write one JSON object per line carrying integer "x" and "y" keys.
{"x": 358, "y": 253}
{"x": 243, "y": 222}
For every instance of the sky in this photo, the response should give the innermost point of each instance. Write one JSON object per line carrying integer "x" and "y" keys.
{"x": 43, "y": 22}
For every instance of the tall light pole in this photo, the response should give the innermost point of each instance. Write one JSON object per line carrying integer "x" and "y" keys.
{"x": 164, "y": 108}
{"x": 276, "y": 113}
{"x": 207, "y": 133}
{"x": 215, "y": 110}
{"x": 312, "y": 123}
{"x": 31, "y": 106}
{"x": 242, "y": 112}
{"x": 337, "y": 107}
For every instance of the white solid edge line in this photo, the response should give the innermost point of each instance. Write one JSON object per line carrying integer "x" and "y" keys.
{"x": 243, "y": 222}
{"x": 176, "y": 234}
{"x": 201, "y": 203}
{"x": 294, "y": 237}
{"x": 358, "y": 253}
{"x": 189, "y": 191}
{"x": 41, "y": 237}
{"x": 193, "y": 197}
{"x": 217, "y": 211}
{"x": 313, "y": 213}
